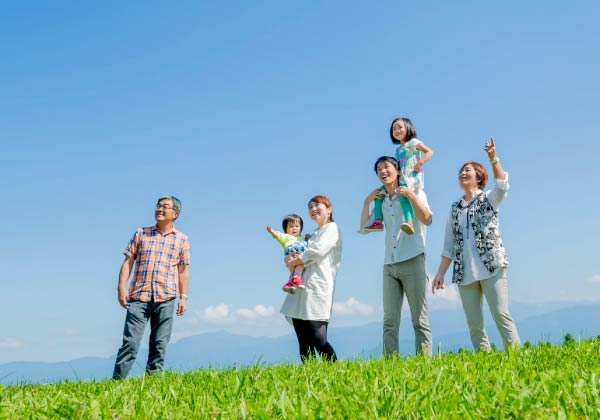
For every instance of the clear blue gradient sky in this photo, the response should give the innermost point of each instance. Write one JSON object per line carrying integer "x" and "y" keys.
{"x": 244, "y": 110}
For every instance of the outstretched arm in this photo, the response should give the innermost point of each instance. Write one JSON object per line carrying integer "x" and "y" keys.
{"x": 271, "y": 231}
{"x": 280, "y": 237}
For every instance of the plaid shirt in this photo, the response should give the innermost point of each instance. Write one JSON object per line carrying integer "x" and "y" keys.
{"x": 156, "y": 259}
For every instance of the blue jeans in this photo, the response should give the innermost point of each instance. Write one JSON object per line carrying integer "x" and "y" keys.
{"x": 160, "y": 315}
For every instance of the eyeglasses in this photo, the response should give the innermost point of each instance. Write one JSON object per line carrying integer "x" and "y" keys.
{"x": 163, "y": 207}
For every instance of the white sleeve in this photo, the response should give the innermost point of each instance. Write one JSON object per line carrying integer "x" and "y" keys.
{"x": 319, "y": 248}
{"x": 498, "y": 193}
{"x": 448, "y": 250}
{"x": 412, "y": 145}
{"x": 423, "y": 199}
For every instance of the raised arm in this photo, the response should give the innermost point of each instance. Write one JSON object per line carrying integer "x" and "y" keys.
{"x": 278, "y": 236}
{"x": 490, "y": 149}
{"x": 421, "y": 210}
{"x": 271, "y": 231}
{"x": 364, "y": 214}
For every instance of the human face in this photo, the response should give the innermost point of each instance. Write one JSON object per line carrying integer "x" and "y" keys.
{"x": 293, "y": 228}
{"x": 387, "y": 173}
{"x": 467, "y": 178}
{"x": 319, "y": 212}
{"x": 164, "y": 211}
{"x": 399, "y": 131}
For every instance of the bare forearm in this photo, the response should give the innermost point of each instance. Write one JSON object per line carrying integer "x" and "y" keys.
{"x": 443, "y": 268}
{"x": 364, "y": 214}
{"x": 123, "y": 276}
{"x": 294, "y": 262}
{"x": 426, "y": 156}
{"x": 498, "y": 171}
{"x": 438, "y": 280}
{"x": 184, "y": 279}
{"x": 422, "y": 212}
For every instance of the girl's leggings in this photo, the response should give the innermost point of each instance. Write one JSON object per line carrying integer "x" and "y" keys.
{"x": 312, "y": 335}
{"x": 407, "y": 209}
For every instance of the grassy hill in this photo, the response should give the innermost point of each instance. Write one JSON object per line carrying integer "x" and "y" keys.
{"x": 544, "y": 381}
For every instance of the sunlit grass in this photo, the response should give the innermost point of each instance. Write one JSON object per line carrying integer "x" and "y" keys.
{"x": 529, "y": 383}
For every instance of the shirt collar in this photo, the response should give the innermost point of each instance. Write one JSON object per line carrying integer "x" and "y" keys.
{"x": 173, "y": 231}
{"x": 475, "y": 194}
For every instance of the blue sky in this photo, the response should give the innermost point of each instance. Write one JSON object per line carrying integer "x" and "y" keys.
{"x": 244, "y": 110}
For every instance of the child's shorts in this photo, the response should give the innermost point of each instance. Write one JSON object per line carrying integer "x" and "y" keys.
{"x": 299, "y": 246}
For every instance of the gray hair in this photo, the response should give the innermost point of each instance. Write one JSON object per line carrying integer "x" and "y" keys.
{"x": 174, "y": 200}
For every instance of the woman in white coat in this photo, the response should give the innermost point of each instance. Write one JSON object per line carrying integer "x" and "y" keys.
{"x": 309, "y": 308}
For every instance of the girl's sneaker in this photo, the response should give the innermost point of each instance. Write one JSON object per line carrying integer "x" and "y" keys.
{"x": 407, "y": 227}
{"x": 289, "y": 287}
{"x": 376, "y": 226}
{"x": 297, "y": 281}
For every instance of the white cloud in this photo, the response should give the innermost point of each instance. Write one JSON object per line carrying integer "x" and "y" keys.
{"x": 594, "y": 279}
{"x": 259, "y": 311}
{"x": 218, "y": 313}
{"x": 352, "y": 307}
{"x": 71, "y": 332}
{"x": 446, "y": 298}
{"x": 223, "y": 313}
{"x": 10, "y": 343}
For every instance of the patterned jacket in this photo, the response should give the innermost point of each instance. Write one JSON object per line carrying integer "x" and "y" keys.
{"x": 483, "y": 220}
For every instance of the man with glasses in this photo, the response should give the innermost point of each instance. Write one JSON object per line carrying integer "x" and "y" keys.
{"x": 161, "y": 254}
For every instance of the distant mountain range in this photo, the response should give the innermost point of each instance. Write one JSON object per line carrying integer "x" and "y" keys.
{"x": 535, "y": 323}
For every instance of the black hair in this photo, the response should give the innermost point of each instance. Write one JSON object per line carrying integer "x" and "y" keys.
{"x": 389, "y": 159}
{"x": 411, "y": 132}
{"x": 291, "y": 218}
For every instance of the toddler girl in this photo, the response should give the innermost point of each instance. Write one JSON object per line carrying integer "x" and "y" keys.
{"x": 291, "y": 241}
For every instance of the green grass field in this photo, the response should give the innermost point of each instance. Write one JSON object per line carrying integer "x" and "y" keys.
{"x": 530, "y": 383}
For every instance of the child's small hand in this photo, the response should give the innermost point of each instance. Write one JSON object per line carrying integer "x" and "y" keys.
{"x": 269, "y": 229}
{"x": 307, "y": 237}
{"x": 403, "y": 191}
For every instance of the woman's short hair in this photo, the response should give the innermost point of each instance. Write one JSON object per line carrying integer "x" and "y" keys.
{"x": 291, "y": 218}
{"x": 389, "y": 159}
{"x": 411, "y": 132}
{"x": 480, "y": 172}
{"x": 324, "y": 200}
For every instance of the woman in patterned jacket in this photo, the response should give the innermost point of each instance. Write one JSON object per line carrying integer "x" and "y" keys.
{"x": 473, "y": 242}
